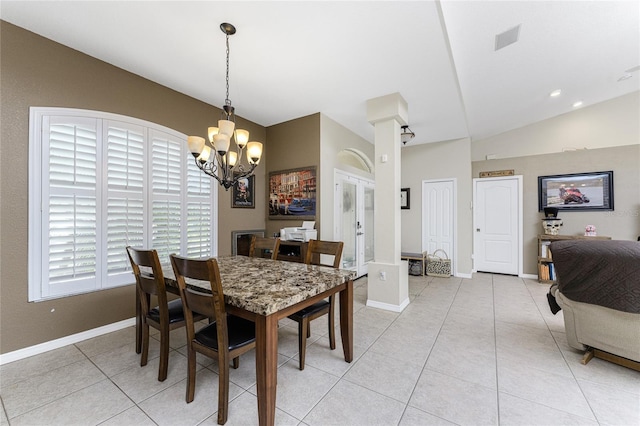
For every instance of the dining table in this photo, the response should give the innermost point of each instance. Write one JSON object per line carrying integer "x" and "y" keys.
{"x": 265, "y": 291}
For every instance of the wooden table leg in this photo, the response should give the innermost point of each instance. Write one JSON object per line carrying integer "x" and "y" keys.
{"x": 346, "y": 321}
{"x": 266, "y": 368}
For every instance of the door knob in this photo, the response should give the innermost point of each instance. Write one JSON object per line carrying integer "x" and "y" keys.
{"x": 477, "y": 229}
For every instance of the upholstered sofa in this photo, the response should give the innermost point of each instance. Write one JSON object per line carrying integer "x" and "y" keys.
{"x": 598, "y": 289}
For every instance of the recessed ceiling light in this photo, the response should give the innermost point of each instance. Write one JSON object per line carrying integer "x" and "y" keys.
{"x": 555, "y": 93}
{"x": 577, "y": 104}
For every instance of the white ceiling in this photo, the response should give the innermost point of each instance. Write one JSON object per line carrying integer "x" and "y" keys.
{"x": 291, "y": 59}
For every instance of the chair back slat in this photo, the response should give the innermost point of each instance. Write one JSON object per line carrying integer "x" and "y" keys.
{"x": 316, "y": 248}
{"x": 199, "y": 302}
{"x": 259, "y": 244}
{"x": 148, "y": 282}
{"x": 211, "y": 305}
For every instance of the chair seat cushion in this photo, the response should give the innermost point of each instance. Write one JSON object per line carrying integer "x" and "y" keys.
{"x": 310, "y": 310}
{"x": 241, "y": 333}
{"x": 176, "y": 313}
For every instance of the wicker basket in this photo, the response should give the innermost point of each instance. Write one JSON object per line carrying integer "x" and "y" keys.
{"x": 438, "y": 266}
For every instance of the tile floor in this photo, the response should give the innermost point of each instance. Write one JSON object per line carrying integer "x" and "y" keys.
{"x": 481, "y": 351}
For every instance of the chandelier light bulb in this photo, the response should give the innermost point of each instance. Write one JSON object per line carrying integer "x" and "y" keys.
{"x": 242, "y": 137}
{"x": 254, "y": 152}
{"x": 233, "y": 158}
{"x": 212, "y": 132}
{"x": 221, "y": 143}
{"x": 205, "y": 154}
{"x": 195, "y": 144}
{"x": 226, "y": 127}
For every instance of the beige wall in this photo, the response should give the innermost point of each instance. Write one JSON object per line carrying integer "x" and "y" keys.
{"x": 611, "y": 133}
{"x": 38, "y": 72}
{"x": 622, "y": 224}
{"x": 294, "y": 144}
{"x": 443, "y": 160}
{"x": 333, "y": 139}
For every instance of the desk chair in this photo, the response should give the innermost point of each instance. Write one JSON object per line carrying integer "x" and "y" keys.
{"x": 166, "y": 316}
{"x": 304, "y": 316}
{"x": 260, "y": 244}
{"x": 225, "y": 339}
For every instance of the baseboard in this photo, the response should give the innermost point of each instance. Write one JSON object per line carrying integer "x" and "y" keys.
{"x": 388, "y": 306}
{"x": 64, "y": 341}
{"x": 529, "y": 276}
{"x": 461, "y": 275}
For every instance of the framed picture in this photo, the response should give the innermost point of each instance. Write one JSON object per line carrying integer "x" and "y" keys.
{"x": 242, "y": 193}
{"x": 405, "y": 198}
{"x": 576, "y": 192}
{"x": 292, "y": 194}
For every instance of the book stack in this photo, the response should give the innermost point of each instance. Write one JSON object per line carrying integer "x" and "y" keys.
{"x": 547, "y": 272}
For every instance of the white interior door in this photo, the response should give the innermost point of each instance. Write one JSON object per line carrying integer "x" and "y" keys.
{"x": 438, "y": 217}
{"x": 497, "y": 224}
{"x": 354, "y": 201}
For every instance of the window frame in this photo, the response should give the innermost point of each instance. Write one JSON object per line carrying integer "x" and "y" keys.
{"x": 38, "y": 239}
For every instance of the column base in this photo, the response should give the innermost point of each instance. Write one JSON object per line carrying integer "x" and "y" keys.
{"x": 388, "y": 286}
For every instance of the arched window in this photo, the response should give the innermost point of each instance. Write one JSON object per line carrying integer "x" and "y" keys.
{"x": 355, "y": 158}
{"x": 99, "y": 182}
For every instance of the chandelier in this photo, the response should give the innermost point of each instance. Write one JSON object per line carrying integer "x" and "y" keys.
{"x": 216, "y": 158}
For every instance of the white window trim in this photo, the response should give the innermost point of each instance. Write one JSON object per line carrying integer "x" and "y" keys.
{"x": 37, "y": 191}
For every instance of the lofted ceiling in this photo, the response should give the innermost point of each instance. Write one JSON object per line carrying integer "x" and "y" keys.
{"x": 291, "y": 59}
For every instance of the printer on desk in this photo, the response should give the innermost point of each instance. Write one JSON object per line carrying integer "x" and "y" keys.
{"x": 303, "y": 233}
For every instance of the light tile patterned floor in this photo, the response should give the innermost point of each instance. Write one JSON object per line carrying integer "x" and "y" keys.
{"x": 481, "y": 351}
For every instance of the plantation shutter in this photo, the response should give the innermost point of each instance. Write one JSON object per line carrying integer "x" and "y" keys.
{"x": 166, "y": 187}
{"x": 69, "y": 206}
{"x": 199, "y": 212}
{"x": 125, "y": 197}
{"x": 99, "y": 182}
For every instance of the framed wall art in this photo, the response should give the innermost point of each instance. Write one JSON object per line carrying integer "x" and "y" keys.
{"x": 405, "y": 198}
{"x": 243, "y": 193}
{"x": 292, "y": 194}
{"x": 577, "y": 191}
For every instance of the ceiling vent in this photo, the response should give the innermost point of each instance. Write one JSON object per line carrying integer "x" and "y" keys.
{"x": 508, "y": 37}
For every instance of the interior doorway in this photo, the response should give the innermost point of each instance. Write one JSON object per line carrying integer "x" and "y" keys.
{"x": 439, "y": 217}
{"x": 353, "y": 220}
{"x": 497, "y": 224}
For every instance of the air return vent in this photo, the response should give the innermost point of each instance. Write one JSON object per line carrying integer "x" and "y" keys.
{"x": 508, "y": 37}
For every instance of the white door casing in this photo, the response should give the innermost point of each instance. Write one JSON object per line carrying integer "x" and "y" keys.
{"x": 439, "y": 217}
{"x": 497, "y": 225}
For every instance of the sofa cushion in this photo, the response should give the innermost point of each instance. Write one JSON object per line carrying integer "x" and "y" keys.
{"x": 599, "y": 272}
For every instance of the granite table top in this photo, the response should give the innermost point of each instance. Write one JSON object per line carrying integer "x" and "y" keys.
{"x": 265, "y": 286}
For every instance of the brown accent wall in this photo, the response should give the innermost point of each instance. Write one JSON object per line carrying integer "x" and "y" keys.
{"x": 294, "y": 144}
{"x": 36, "y": 71}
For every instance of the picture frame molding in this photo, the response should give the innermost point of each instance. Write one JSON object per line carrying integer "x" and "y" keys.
{"x": 405, "y": 198}
{"x": 273, "y": 176}
{"x": 251, "y": 203}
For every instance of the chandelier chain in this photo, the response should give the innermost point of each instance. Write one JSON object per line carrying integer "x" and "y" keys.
{"x": 227, "y": 101}
{"x": 216, "y": 158}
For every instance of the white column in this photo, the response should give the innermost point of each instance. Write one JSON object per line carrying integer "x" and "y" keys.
{"x": 388, "y": 281}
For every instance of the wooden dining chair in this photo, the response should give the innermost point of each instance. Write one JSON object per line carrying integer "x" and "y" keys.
{"x": 167, "y": 316}
{"x": 225, "y": 339}
{"x": 260, "y": 244}
{"x": 303, "y": 317}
